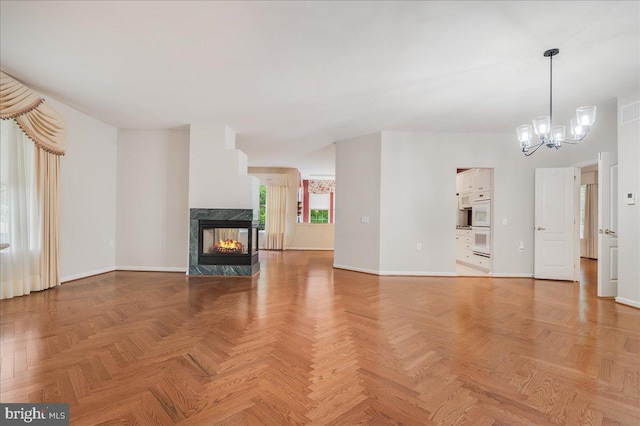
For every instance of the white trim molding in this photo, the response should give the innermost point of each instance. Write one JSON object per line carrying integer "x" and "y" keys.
{"x": 510, "y": 275}
{"x": 351, "y": 268}
{"x": 396, "y": 273}
{"x": 309, "y": 248}
{"x": 152, "y": 268}
{"x": 628, "y": 302}
{"x": 85, "y": 274}
{"x": 417, "y": 274}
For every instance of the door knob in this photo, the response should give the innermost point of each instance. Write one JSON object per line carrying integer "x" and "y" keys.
{"x": 609, "y": 232}
{"x": 540, "y": 228}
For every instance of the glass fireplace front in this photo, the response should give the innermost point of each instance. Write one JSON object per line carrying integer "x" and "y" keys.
{"x": 227, "y": 242}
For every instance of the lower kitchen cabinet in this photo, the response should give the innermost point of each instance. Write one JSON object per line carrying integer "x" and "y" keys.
{"x": 464, "y": 251}
{"x": 481, "y": 261}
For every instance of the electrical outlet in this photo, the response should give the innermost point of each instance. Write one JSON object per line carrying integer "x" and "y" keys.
{"x": 419, "y": 246}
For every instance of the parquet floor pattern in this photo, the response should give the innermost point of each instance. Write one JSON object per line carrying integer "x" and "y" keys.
{"x": 302, "y": 343}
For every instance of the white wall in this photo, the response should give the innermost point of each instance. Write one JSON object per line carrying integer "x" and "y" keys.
{"x": 628, "y": 215}
{"x": 602, "y": 138}
{"x": 358, "y": 179}
{"x": 312, "y": 236}
{"x": 418, "y": 200}
{"x": 218, "y": 172}
{"x": 152, "y": 200}
{"x": 87, "y": 195}
{"x": 417, "y": 196}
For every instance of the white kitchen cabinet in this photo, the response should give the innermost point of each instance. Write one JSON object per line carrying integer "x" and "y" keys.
{"x": 480, "y": 195}
{"x": 482, "y": 180}
{"x": 464, "y": 245}
{"x": 473, "y": 180}
{"x": 464, "y": 251}
{"x": 460, "y": 243}
{"x": 480, "y": 262}
{"x": 464, "y": 181}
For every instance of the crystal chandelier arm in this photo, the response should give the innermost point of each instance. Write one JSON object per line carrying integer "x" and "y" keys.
{"x": 535, "y": 148}
{"x": 572, "y": 141}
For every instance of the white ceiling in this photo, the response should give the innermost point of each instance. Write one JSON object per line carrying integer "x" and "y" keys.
{"x": 291, "y": 78}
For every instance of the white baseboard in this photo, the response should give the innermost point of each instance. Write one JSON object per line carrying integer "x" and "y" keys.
{"x": 427, "y": 273}
{"x": 396, "y": 273}
{"x": 308, "y": 248}
{"x": 417, "y": 274}
{"x": 510, "y": 275}
{"x": 351, "y": 268}
{"x": 628, "y": 302}
{"x": 86, "y": 274}
{"x": 152, "y": 268}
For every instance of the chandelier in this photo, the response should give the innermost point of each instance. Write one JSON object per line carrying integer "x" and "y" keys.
{"x": 550, "y": 135}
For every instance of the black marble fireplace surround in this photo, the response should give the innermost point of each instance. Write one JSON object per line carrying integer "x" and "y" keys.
{"x": 223, "y": 242}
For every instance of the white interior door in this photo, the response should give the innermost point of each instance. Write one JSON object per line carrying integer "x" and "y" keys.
{"x": 556, "y": 248}
{"x": 607, "y": 225}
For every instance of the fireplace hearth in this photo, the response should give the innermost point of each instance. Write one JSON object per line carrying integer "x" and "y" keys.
{"x": 223, "y": 242}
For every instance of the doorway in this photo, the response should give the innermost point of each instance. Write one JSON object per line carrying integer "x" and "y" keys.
{"x": 596, "y": 216}
{"x": 589, "y": 212}
{"x": 474, "y": 220}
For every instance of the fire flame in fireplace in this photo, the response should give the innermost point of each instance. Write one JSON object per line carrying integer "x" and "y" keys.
{"x": 226, "y": 246}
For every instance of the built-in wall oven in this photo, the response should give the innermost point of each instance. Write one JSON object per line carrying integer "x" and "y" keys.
{"x": 481, "y": 213}
{"x": 482, "y": 240}
{"x": 481, "y": 227}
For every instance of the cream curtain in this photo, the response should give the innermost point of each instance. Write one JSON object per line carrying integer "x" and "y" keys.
{"x": 20, "y": 220}
{"x": 275, "y": 217}
{"x": 48, "y": 175}
{"x": 38, "y": 120}
{"x": 225, "y": 234}
{"x": 46, "y": 128}
{"x": 589, "y": 244}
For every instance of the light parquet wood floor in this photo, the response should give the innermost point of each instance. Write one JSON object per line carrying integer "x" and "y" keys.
{"x": 303, "y": 343}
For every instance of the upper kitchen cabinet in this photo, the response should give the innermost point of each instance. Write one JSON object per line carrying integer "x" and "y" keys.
{"x": 481, "y": 180}
{"x": 473, "y": 180}
{"x": 464, "y": 181}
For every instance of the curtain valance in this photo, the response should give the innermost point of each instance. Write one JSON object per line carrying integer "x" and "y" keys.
{"x": 38, "y": 120}
{"x": 322, "y": 186}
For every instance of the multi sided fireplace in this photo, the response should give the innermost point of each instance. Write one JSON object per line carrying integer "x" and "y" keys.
{"x": 227, "y": 242}
{"x": 223, "y": 242}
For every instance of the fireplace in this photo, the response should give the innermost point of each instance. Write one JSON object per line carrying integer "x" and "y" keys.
{"x": 227, "y": 242}
{"x": 223, "y": 242}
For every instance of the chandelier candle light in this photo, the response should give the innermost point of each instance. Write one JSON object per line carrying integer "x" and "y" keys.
{"x": 550, "y": 135}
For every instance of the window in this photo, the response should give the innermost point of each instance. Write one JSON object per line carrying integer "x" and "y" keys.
{"x": 318, "y": 206}
{"x": 319, "y": 216}
{"x": 263, "y": 206}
